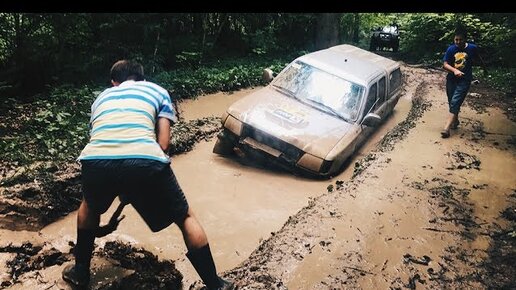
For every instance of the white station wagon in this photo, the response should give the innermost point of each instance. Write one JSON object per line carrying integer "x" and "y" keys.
{"x": 316, "y": 112}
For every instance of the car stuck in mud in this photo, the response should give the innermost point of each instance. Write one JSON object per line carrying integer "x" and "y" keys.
{"x": 315, "y": 113}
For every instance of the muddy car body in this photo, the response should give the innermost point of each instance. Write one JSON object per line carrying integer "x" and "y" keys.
{"x": 316, "y": 112}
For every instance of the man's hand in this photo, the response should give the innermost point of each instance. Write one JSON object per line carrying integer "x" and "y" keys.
{"x": 114, "y": 221}
{"x": 458, "y": 73}
{"x": 109, "y": 227}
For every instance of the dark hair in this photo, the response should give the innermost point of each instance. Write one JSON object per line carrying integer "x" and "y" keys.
{"x": 460, "y": 30}
{"x": 124, "y": 70}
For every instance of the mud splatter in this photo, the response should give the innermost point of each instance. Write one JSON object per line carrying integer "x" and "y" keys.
{"x": 185, "y": 134}
{"x": 498, "y": 269}
{"x": 462, "y": 160}
{"x": 39, "y": 196}
{"x": 149, "y": 272}
{"x": 28, "y": 258}
{"x": 482, "y": 97}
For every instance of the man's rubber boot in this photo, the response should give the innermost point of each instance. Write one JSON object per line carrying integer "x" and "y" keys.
{"x": 77, "y": 275}
{"x": 203, "y": 263}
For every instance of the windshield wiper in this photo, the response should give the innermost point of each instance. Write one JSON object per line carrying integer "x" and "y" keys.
{"x": 285, "y": 91}
{"x": 326, "y": 108}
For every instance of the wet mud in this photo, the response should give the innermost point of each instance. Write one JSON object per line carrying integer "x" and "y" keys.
{"x": 148, "y": 271}
{"x": 419, "y": 212}
{"x": 37, "y": 195}
{"x": 141, "y": 269}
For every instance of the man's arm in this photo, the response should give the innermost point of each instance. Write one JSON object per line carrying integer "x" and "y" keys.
{"x": 163, "y": 133}
{"x": 453, "y": 70}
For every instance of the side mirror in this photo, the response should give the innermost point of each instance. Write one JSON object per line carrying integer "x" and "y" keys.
{"x": 267, "y": 75}
{"x": 371, "y": 120}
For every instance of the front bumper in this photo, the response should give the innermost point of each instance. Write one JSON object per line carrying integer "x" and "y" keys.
{"x": 268, "y": 150}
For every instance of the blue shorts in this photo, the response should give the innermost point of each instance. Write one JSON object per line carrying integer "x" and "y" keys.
{"x": 456, "y": 90}
{"x": 149, "y": 186}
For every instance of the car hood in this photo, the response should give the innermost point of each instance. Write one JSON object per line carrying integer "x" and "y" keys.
{"x": 290, "y": 120}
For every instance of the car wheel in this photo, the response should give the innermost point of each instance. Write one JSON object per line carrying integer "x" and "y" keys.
{"x": 372, "y": 46}
{"x": 223, "y": 146}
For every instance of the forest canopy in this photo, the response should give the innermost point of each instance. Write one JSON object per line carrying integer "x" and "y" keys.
{"x": 41, "y": 51}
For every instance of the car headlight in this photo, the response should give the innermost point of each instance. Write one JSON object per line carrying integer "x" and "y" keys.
{"x": 311, "y": 162}
{"x": 234, "y": 125}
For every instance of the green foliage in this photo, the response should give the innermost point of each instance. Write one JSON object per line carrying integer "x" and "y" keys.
{"x": 224, "y": 76}
{"x": 55, "y": 127}
{"x": 60, "y": 126}
{"x": 263, "y": 41}
{"x": 79, "y": 48}
{"x": 427, "y": 35}
{"x": 501, "y": 78}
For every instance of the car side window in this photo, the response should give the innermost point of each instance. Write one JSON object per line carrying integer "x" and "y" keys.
{"x": 394, "y": 81}
{"x": 381, "y": 91}
{"x": 371, "y": 98}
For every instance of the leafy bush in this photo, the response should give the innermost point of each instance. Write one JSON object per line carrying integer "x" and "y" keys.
{"x": 429, "y": 34}
{"x": 224, "y": 76}
{"x": 54, "y": 127}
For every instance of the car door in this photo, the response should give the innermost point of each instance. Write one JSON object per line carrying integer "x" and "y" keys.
{"x": 365, "y": 131}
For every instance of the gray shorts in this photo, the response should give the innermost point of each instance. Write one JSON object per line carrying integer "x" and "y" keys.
{"x": 149, "y": 186}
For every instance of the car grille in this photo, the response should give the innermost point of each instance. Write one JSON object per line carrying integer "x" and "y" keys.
{"x": 385, "y": 36}
{"x": 289, "y": 151}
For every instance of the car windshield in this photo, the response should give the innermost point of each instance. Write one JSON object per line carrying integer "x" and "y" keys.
{"x": 321, "y": 90}
{"x": 390, "y": 29}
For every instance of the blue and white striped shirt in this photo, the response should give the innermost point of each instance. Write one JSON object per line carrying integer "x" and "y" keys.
{"x": 123, "y": 122}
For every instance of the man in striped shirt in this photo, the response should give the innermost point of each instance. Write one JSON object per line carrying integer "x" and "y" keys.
{"x": 130, "y": 133}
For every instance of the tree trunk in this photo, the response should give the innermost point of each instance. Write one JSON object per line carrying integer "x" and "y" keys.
{"x": 327, "y": 30}
{"x": 356, "y": 27}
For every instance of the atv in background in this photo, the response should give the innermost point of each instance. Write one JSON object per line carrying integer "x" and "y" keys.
{"x": 386, "y": 37}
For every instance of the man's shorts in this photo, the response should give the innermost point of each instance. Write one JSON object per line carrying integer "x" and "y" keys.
{"x": 456, "y": 90}
{"x": 149, "y": 186}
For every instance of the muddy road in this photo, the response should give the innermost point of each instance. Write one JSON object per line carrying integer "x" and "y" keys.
{"x": 411, "y": 211}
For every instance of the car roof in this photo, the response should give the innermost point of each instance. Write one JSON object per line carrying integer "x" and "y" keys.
{"x": 350, "y": 62}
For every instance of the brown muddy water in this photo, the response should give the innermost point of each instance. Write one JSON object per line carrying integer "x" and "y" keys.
{"x": 238, "y": 204}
